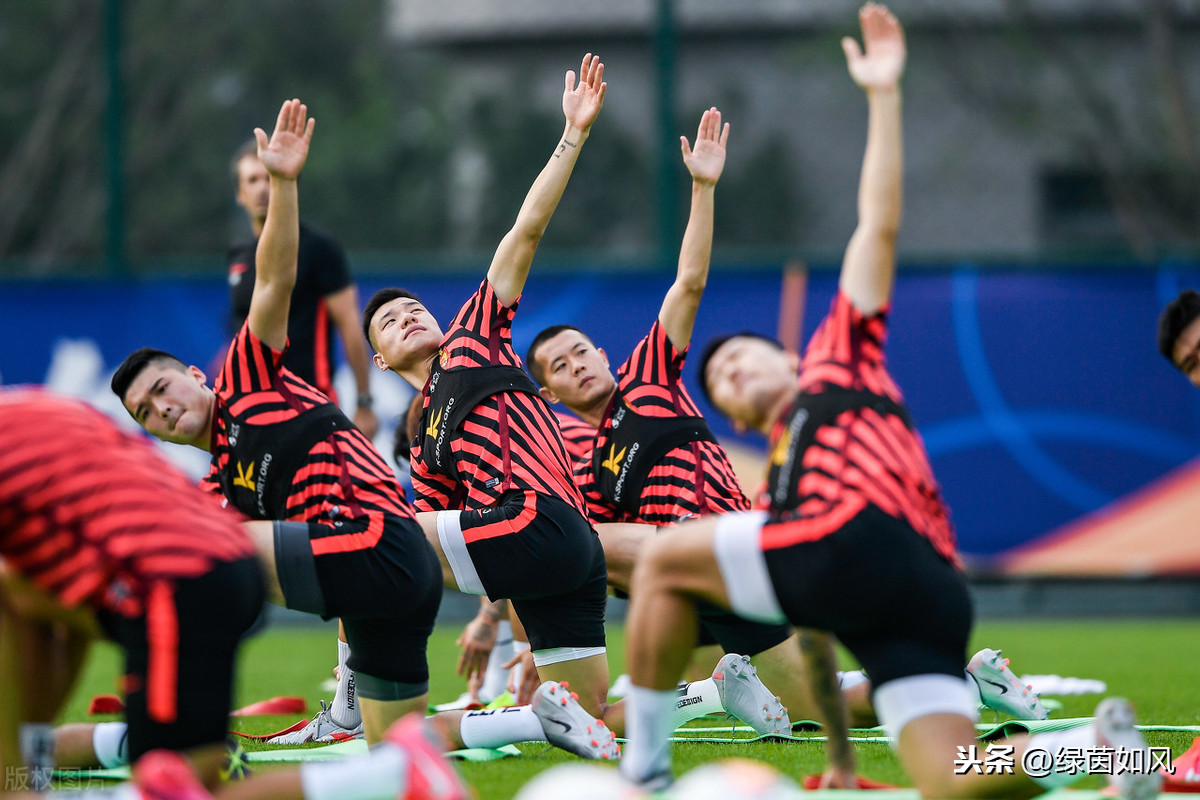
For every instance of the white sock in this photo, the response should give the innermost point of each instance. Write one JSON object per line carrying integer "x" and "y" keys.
{"x": 382, "y": 775}
{"x": 695, "y": 700}
{"x": 344, "y": 709}
{"x": 496, "y": 728}
{"x": 851, "y": 678}
{"x": 110, "y": 743}
{"x": 495, "y": 677}
{"x": 648, "y": 729}
{"x": 518, "y": 648}
{"x": 1080, "y": 739}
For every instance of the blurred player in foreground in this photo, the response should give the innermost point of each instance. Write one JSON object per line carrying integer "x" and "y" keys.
{"x": 101, "y": 536}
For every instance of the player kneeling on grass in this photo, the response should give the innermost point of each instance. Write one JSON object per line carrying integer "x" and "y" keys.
{"x": 327, "y": 515}
{"x": 100, "y": 536}
{"x": 856, "y": 541}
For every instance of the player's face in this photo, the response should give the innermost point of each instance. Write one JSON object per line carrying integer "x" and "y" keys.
{"x": 575, "y": 371}
{"x": 254, "y": 187}
{"x": 404, "y": 333}
{"x": 171, "y": 404}
{"x": 1187, "y": 352}
{"x": 748, "y": 378}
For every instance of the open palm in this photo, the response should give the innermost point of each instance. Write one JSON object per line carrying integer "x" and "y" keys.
{"x": 285, "y": 152}
{"x": 582, "y": 101}
{"x": 707, "y": 159}
{"x": 881, "y": 66}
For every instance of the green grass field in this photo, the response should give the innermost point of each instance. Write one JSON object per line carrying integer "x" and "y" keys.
{"x": 1152, "y": 662}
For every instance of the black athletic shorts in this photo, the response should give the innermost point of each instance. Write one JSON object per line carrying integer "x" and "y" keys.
{"x": 736, "y": 634}
{"x": 180, "y": 654}
{"x": 551, "y": 568}
{"x": 387, "y": 596}
{"x": 882, "y": 589}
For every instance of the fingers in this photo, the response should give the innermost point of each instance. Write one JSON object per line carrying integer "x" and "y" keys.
{"x": 685, "y": 148}
{"x": 260, "y": 136}
{"x": 281, "y": 122}
{"x": 851, "y": 49}
{"x": 724, "y": 135}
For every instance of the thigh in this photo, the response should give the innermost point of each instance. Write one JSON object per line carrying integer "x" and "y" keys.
{"x": 574, "y": 618}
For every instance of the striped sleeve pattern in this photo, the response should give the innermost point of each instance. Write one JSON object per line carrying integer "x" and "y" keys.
{"x": 509, "y": 441}
{"x": 864, "y": 456}
{"x": 344, "y": 475}
{"x": 650, "y": 382}
{"x": 93, "y": 515}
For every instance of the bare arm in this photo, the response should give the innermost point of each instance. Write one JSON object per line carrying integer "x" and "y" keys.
{"x": 581, "y": 104}
{"x": 343, "y": 309}
{"x": 705, "y": 163}
{"x": 869, "y": 266}
{"x": 283, "y": 155}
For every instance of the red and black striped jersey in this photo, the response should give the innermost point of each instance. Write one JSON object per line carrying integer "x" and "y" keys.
{"x": 330, "y": 477}
{"x": 511, "y": 440}
{"x": 689, "y": 480}
{"x": 95, "y": 516}
{"x": 577, "y": 435}
{"x": 848, "y": 442}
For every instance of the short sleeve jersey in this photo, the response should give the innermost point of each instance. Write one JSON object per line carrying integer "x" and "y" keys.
{"x": 688, "y": 481}
{"x": 511, "y": 440}
{"x": 95, "y": 516}
{"x": 863, "y": 453}
{"x": 343, "y": 476}
{"x": 577, "y": 435}
{"x": 321, "y": 270}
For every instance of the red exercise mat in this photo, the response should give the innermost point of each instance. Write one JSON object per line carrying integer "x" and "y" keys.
{"x": 276, "y": 705}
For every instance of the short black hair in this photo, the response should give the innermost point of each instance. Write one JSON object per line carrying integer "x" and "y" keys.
{"x": 1178, "y": 314}
{"x": 546, "y": 335}
{"x": 711, "y": 349}
{"x": 377, "y": 301}
{"x": 133, "y": 365}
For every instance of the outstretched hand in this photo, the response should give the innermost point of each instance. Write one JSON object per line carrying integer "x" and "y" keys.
{"x": 285, "y": 152}
{"x": 582, "y": 101}
{"x": 707, "y": 160}
{"x": 883, "y": 38}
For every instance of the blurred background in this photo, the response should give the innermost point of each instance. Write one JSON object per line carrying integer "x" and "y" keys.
{"x": 1052, "y": 207}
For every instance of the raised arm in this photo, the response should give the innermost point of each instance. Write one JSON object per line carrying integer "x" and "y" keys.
{"x": 275, "y": 260}
{"x": 869, "y": 266}
{"x": 705, "y": 162}
{"x": 581, "y": 103}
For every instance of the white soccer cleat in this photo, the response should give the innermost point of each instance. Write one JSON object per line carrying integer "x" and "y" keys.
{"x": 1131, "y": 775}
{"x": 744, "y": 696}
{"x": 321, "y": 728}
{"x": 1001, "y": 690}
{"x": 569, "y": 726}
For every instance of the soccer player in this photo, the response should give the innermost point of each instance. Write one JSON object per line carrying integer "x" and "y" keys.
{"x": 1179, "y": 334}
{"x": 857, "y": 541}
{"x": 332, "y": 524}
{"x": 99, "y": 535}
{"x": 645, "y": 454}
{"x": 490, "y": 462}
{"x": 324, "y": 299}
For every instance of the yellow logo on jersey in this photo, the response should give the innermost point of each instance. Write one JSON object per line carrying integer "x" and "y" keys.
{"x": 443, "y": 357}
{"x": 613, "y": 462}
{"x": 245, "y": 477}
{"x": 779, "y": 452}
{"x": 436, "y": 423}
